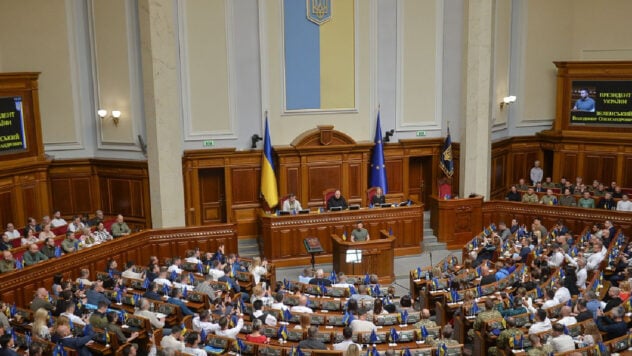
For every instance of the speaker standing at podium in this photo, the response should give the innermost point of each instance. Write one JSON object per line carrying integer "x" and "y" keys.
{"x": 360, "y": 233}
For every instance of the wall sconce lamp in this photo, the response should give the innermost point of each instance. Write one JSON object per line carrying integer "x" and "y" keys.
{"x": 116, "y": 115}
{"x": 388, "y": 134}
{"x": 255, "y": 138}
{"x": 507, "y": 100}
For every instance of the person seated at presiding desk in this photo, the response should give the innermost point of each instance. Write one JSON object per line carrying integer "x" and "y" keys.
{"x": 379, "y": 197}
{"x": 360, "y": 233}
{"x": 291, "y": 204}
{"x": 337, "y": 200}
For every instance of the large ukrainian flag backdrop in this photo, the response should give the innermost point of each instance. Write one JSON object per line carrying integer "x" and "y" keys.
{"x": 319, "y": 59}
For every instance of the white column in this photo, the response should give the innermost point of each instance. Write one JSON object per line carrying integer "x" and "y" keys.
{"x": 163, "y": 116}
{"x": 475, "y": 154}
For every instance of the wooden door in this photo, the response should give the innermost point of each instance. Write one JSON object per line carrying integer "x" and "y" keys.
{"x": 212, "y": 196}
{"x": 420, "y": 182}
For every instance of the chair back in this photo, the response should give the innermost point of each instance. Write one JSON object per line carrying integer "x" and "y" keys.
{"x": 370, "y": 193}
{"x": 328, "y": 193}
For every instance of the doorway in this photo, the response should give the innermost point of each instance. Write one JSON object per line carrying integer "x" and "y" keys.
{"x": 420, "y": 182}
{"x": 212, "y": 196}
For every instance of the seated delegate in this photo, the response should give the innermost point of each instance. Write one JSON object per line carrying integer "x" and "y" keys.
{"x": 337, "y": 200}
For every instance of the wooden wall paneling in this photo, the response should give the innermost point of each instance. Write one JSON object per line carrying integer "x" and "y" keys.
{"x": 357, "y": 187}
{"x": 293, "y": 184}
{"x": 120, "y": 192}
{"x": 29, "y": 199}
{"x": 415, "y": 178}
{"x": 569, "y": 167}
{"x": 6, "y": 200}
{"x": 626, "y": 180}
{"x": 395, "y": 177}
{"x": 212, "y": 195}
{"x": 61, "y": 189}
{"x": 81, "y": 195}
{"x": 321, "y": 177}
{"x": 246, "y": 185}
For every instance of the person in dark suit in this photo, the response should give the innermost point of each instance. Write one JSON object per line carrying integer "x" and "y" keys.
{"x": 378, "y": 198}
{"x": 488, "y": 277}
{"x": 320, "y": 279}
{"x": 337, "y": 200}
{"x": 7, "y": 345}
{"x": 64, "y": 336}
{"x": 152, "y": 292}
{"x": 311, "y": 342}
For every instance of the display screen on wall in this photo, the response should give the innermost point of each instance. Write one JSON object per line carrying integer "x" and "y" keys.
{"x": 12, "y": 138}
{"x": 601, "y": 102}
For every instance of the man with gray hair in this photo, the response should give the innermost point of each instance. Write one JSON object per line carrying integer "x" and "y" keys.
{"x": 320, "y": 279}
{"x": 613, "y": 326}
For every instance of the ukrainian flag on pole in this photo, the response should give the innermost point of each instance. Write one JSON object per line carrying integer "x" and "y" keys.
{"x": 268, "y": 179}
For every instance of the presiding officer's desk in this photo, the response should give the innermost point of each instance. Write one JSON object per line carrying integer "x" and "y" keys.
{"x": 282, "y": 236}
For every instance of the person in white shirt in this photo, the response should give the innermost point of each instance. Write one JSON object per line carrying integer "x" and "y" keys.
{"x": 12, "y": 232}
{"x": 162, "y": 278}
{"x": 258, "y": 269}
{"x": 193, "y": 256}
{"x": 302, "y": 306}
{"x": 192, "y": 344}
{"x": 557, "y": 258}
{"x": 536, "y": 173}
{"x": 70, "y": 314}
{"x": 550, "y": 299}
{"x": 144, "y": 311}
{"x": 306, "y": 276}
{"x": 265, "y": 317}
{"x": 174, "y": 340}
{"x": 361, "y": 324}
{"x": 204, "y": 322}
{"x": 175, "y": 265}
{"x": 278, "y": 302}
{"x": 542, "y": 323}
{"x": 567, "y": 319}
{"x": 76, "y": 224}
{"x": 130, "y": 271}
{"x": 217, "y": 271}
{"x": 560, "y": 341}
{"x": 595, "y": 259}
{"x": 57, "y": 220}
{"x": 347, "y": 333}
{"x": 562, "y": 294}
{"x": 624, "y": 204}
{"x": 225, "y": 331}
{"x": 291, "y": 204}
{"x": 582, "y": 274}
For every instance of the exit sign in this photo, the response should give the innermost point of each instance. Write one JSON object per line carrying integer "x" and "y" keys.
{"x": 208, "y": 143}
{"x": 421, "y": 133}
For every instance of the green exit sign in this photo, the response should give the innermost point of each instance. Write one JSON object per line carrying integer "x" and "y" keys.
{"x": 208, "y": 143}
{"x": 421, "y": 133}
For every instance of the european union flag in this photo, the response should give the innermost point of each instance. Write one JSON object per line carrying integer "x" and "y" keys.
{"x": 419, "y": 272}
{"x": 474, "y": 308}
{"x": 373, "y": 337}
{"x": 479, "y": 290}
{"x": 287, "y": 316}
{"x": 191, "y": 279}
{"x": 376, "y": 290}
{"x": 404, "y": 316}
{"x": 18, "y": 264}
{"x": 406, "y": 352}
{"x": 165, "y": 289}
{"x": 424, "y": 332}
{"x": 203, "y": 336}
{"x": 394, "y": 335}
{"x": 566, "y": 332}
{"x": 538, "y": 291}
{"x": 241, "y": 344}
{"x": 200, "y": 268}
{"x": 332, "y": 277}
{"x": 352, "y": 290}
{"x": 136, "y": 299}
{"x": 185, "y": 292}
{"x": 378, "y": 168}
{"x": 174, "y": 275}
{"x": 12, "y": 310}
{"x": 57, "y": 251}
{"x": 445, "y": 161}
{"x": 367, "y": 279}
{"x": 347, "y": 318}
{"x": 58, "y": 350}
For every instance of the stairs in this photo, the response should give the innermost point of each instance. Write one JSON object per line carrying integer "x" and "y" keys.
{"x": 430, "y": 242}
{"x": 248, "y": 247}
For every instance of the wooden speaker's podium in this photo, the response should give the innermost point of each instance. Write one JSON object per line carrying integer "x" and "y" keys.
{"x": 357, "y": 258}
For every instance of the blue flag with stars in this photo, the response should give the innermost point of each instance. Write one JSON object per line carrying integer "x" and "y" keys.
{"x": 378, "y": 168}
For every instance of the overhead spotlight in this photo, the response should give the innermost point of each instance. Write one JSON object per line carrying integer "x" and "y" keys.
{"x": 388, "y": 134}
{"x": 255, "y": 138}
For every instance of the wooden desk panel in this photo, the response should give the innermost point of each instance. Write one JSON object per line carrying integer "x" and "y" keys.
{"x": 282, "y": 236}
{"x": 377, "y": 257}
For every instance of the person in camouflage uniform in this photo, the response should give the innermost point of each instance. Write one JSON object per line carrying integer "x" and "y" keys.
{"x": 503, "y": 339}
{"x": 489, "y": 314}
{"x": 425, "y": 320}
{"x": 537, "y": 349}
{"x": 446, "y": 338}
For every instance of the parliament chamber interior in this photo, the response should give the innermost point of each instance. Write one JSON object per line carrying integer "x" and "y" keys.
{"x": 273, "y": 177}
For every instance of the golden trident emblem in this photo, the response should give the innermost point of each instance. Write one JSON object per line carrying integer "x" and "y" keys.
{"x": 318, "y": 11}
